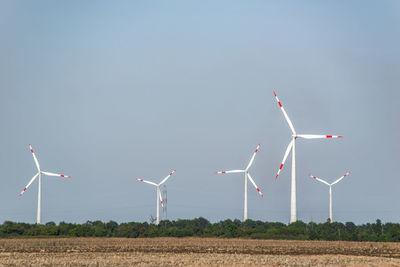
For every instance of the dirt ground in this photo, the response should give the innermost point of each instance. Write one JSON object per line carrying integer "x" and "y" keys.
{"x": 194, "y": 252}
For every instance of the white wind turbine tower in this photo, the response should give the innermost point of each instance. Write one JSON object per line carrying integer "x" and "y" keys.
{"x": 330, "y": 191}
{"x": 39, "y": 174}
{"x": 292, "y": 146}
{"x": 246, "y": 175}
{"x": 159, "y": 198}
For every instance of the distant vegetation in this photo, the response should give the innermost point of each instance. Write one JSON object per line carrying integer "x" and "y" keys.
{"x": 201, "y": 227}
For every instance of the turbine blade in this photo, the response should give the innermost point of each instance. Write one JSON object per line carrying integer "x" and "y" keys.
{"x": 252, "y": 181}
{"x": 34, "y": 158}
{"x": 338, "y": 180}
{"x": 233, "y": 171}
{"x": 317, "y": 136}
{"x": 285, "y": 114}
{"x": 144, "y": 181}
{"x": 30, "y": 182}
{"x": 162, "y": 203}
{"x": 166, "y": 178}
{"x": 55, "y": 174}
{"x": 318, "y": 179}
{"x": 284, "y": 158}
{"x": 252, "y": 158}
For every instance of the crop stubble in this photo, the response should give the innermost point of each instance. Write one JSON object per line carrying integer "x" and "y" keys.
{"x": 194, "y": 252}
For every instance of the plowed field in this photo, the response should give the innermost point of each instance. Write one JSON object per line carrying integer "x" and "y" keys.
{"x": 194, "y": 252}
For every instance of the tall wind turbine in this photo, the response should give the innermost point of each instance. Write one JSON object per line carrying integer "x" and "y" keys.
{"x": 292, "y": 146}
{"x": 330, "y": 191}
{"x": 159, "y": 198}
{"x": 246, "y": 175}
{"x": 39, "y": 174}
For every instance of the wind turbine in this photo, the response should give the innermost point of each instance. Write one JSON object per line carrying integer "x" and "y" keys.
{"x": 292, "y": 146}
{"x": 39, "y": 174}
{"x": 246, "y": 175}
{"x": 159, "y": 198}
{"x": 330, "y": 191}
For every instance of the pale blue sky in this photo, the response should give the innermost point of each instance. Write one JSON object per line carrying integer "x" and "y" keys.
{"x": 109, "y": 91}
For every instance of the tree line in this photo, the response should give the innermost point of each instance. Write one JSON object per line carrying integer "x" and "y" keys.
{"x": 201, "y": 227}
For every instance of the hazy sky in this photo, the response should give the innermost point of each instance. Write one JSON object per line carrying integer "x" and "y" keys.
{"x": 109, "y": 91}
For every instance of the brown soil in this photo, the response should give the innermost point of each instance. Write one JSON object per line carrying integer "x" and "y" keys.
{"x": 194, "y": 252}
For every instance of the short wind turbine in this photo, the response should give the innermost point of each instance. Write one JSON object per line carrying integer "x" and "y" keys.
{"x": 292, "y": 146}
{"x": 330, "y": 191}
{"x": 39, "y": 174}
{"x": 159, "y": 198}
{"x": 246, "y": 175}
